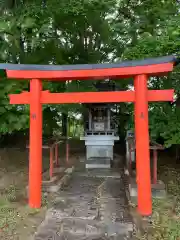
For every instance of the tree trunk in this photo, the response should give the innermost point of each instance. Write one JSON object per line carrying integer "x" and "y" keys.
{"x": 64, "y": 124}
{"x": 123, "y": 118}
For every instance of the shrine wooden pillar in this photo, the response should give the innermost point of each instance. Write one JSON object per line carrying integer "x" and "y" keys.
{"x": 142, "y": 146}
{"x": 35, "y": 154}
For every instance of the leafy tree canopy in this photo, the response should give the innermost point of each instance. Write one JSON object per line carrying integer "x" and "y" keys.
{"x": 90, "y": 31}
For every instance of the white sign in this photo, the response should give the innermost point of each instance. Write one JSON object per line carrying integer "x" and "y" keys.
{"x": 98, "y": 126}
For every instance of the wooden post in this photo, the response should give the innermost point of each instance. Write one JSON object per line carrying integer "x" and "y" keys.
{"x": 67, "y": 151}
{"x": 108, "y": 119}
{"x": 155, "y": 166}
{"x": 90, "y": 120}
{"x": 35, "y": 154}
{"x": 67, "y": 142}
{"x": 142, "y": 146}
{"x": 51, "y": 162}
{"x": 56, "y": 154}
{"x": 130, "y": 160}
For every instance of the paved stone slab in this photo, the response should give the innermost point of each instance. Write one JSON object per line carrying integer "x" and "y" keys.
{"x": 89, "y": 207}
{"x": 112, "y": 188}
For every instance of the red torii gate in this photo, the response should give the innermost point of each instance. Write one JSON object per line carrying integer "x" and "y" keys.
{"x": 139, "y": 70}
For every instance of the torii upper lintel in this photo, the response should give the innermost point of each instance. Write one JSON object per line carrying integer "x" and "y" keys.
{"x": 125, "y": 69}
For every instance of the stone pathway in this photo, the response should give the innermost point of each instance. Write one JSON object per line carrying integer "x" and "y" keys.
{"x": 93, "y": 207}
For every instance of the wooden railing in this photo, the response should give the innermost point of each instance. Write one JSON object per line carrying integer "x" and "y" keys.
{"x": 153, "y": 146}
{"x": 54, "y": 156}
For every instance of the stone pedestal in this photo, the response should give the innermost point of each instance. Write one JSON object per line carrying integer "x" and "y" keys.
{"x": 99, "y": 150}
{"x": 158, "y": 190}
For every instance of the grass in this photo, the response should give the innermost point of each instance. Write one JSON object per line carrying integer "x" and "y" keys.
{"x": 8, "y": 215}
{"x": 17, "y": 220}
{"x": 13, "y": 213}
{"x": 166, "y": 212}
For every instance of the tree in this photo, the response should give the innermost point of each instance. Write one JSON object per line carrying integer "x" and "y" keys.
{"x": 91, "y": 31}
{"x": 164, "y": 117}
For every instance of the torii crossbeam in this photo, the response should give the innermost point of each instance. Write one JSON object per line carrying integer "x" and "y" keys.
{"x": 139, "y": 70}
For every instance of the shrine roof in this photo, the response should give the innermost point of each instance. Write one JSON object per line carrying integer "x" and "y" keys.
{"x": 134, "y": 63}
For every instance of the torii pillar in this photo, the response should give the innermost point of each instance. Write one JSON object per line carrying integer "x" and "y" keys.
{"x": 35, "y": 154}
{"x": 143, "y": 176}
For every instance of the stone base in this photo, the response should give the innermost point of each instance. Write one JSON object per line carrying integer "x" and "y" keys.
{"x": 100, "y": 173}
{"x": 54, "y": 178}
{"x": 58, "y": 170}
{"x": 89, "y": 166}
{"x": 98, "y": 163}
{"x": 158, "y": 190}
{"x": 63, "y": 181}
{"x": 56, "y": 183}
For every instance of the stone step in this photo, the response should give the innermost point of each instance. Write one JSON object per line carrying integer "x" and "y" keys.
{"x": 80, "y": 228}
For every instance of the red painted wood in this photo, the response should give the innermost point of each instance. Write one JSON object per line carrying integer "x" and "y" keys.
{"x": 35, "y": 155}
{"x": 126, "y": 72}
{"x": 142, "y": 146}
{"x": 141, "y": 96}
{"x": 92, "y": 97}
{"x": 160, "y": 95}
{"x": 21, "y": 98}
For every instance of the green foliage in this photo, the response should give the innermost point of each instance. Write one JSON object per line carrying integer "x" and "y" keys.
{"x": 13, "y": 117}
{"x": 166, "y": 212}
{"x": 91, "y": 31}
{"x": 164, "y": 40}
